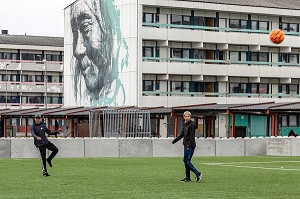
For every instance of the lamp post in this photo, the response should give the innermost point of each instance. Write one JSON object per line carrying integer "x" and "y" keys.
{"x": 6, "y": 85}
{"x": 45, "y": 81}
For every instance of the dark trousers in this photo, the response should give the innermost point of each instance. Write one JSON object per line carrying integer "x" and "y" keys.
{"x": 50, "y": 146}
{"x": 188, "y": 154}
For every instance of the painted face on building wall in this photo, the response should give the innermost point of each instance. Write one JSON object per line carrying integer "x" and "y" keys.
{"x": 95, "y": 55}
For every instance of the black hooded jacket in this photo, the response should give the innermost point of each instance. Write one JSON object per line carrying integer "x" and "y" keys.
{"x": 188, "y": 135}
{"x": 39, "y": 130}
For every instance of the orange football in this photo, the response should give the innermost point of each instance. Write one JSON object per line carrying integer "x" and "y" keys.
{"x": 277, "y": 36}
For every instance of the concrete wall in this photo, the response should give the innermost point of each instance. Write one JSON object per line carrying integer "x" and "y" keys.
{"x": 154, "y": 147}
{"x": 5, "y": 148}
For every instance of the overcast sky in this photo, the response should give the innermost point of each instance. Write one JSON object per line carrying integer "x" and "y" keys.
{"x": 33, "y": 17}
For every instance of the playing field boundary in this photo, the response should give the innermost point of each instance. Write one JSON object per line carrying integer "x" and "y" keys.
{"x": 153, "y": 147}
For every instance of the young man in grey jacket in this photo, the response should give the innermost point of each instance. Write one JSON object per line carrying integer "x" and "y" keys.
{"x": 189, "y": 143}
{"x": 38, "y": 130}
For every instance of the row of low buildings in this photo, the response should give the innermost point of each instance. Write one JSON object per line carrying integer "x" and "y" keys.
{"x": 169, "y": 53}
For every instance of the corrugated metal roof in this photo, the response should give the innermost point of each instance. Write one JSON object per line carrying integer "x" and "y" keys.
{"x": 282, "y": 4}
{"x": 63, "y": 112}
{"x": 31, "y": 40}
{"x": 295, "y": 106}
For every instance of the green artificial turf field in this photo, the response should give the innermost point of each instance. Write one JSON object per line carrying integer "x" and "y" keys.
{"x": 223, "y": 177}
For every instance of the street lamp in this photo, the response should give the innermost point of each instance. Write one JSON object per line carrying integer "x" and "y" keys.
{"x": 45, "y": 81}
{"x": 6, "y": 85}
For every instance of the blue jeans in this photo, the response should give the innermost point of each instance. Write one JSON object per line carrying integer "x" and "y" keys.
{"x": 188, "y": 154}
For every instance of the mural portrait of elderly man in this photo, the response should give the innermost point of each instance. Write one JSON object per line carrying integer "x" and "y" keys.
{"x": 99, "y": 53}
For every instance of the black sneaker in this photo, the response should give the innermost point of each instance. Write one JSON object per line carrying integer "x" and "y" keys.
{"x": 49, "y": 162}
{"x": 199, "y": 177}
{"x": 185, "y": 180}
{"x": 46, "y": 174}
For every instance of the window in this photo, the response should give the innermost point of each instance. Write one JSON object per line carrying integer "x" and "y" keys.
{"x": 237, "y": 24}
{"x": 176, "y": 52}
{"x": 285, "y": 26}
{"x": 13, "y": 77}
{"x": 288, "y": 88}
{"x": 254, "y": 56}
{"x": 13, "y": 99}
{"x": 294, "y": 27}
{"x": 176, "y": 19}
{"x": 285, "y": 58}
{"x": 284, "y": 89}
{"x": 185, "y": 53}
{"x": 148, "y": 17}
{"x": 260, "y": 57}
{"x": 199, "y": 54}
{"x": 254, "y": 88}
{"x": 49, "y": 78}
{"x": 39, "y": 78}
{"x": 221, "y": 55}
{"x": 27, "y": 56}
{"x": 6, "y": 56}
{"x": 27, "y": 78}
{"x": 35, "y": 100}
{"x": 243, "y": 88}
{"x": 38, "y": 57}
{"x": 263, "y": 89}
{"x": 293, "y": 89}
{"x": 293, "y": 120}
{"x": 199, "y": 87}
{"x": 199, "y": 21}
{"x": 263, "y": 57}
{"x": 186, "y": 20}
{"x": 14, "y": 56}
{"x": 234, "y": 88}
{"x": 243, "y": 24}
{"x": 290, "y": 27}
{"x": 148, "y": 85}
{"x": 186, "y": 87}
{"x": 148, "y": 52}
{"x": 284, "y": 120}
{"x": 289, "y": 58}
{"x": 234, "y": 23}
{"x": 50, "y": 57}
{"x": 243, "y": 56}
{"x": 234, "y": 56}
{"x": 293, "y": 59}
{"x": 55, "y": 100}
{"x": 176, "y": 87}
{"x": 254, "y": 25}
{"x": 263, "y": 25}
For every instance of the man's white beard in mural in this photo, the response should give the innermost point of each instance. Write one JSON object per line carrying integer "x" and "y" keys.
{"x": 97, "y": 61}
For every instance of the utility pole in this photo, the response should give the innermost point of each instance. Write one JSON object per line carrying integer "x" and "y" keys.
{"x": 6, "y": 75}
{"x": 45, "y": 81}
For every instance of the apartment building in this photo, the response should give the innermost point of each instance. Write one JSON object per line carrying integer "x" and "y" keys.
{"x": 218, "y": 51}
{"x": 170, "y": 53}
{"x": 31, "y": 71}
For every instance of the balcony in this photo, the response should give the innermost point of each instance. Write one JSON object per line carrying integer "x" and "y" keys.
{"x": 215, "y": 35}
{"x": 31, "y": 87}
{"x": 225, "y": 68}
{"x": 22, "y": 65}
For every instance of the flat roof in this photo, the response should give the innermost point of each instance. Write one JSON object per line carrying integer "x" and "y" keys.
{"x": 281, "y": 4}
{"x": 31, "y": 40}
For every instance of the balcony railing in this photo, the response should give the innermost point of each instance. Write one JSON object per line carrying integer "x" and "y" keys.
{"x": 159, "y": 59}
{"x": 192, "y": 27}
{"x": 210, "y": 94}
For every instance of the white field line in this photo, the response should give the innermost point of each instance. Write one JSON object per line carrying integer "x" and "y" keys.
{"x": 223, "y": 163}
{"x": 233, "y": 164}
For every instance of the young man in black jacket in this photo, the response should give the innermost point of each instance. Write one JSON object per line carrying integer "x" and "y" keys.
{"x": 189, "y": 143}
{"x": 38, "y": 130}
